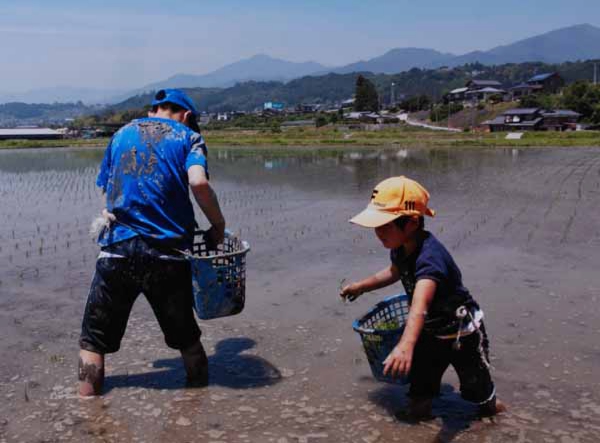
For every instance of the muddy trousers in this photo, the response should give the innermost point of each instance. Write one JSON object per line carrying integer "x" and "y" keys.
{"x": 123, "y": 271}
{"x": 433, "y": 355}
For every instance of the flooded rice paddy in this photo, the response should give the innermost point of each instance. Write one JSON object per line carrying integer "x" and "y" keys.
{"x": 523, "y": 226}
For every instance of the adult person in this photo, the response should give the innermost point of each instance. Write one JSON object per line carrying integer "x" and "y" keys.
{"x": 148, "y": 168}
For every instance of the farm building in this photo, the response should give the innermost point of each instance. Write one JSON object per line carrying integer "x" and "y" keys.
{"x": 30, "y": 134}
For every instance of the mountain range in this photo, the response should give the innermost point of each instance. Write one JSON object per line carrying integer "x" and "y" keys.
{"x": 65, "y": 94}
{"x": 258, "y": 68}
{"x": 579, "y": 42}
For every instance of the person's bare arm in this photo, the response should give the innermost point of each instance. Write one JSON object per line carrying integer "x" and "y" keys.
{"x": 400, "y": 359}
{"x": 385, "y": 277}
{"x": 208, "y": 202}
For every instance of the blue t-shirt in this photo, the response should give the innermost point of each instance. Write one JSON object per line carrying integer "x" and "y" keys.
{"x": 431, "y": 260}
{"x": 144, "y": 176}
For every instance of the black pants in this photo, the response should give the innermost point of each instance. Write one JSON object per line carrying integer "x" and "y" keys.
{"x": 432, "y": 356}
{"x": 123, "y": 271}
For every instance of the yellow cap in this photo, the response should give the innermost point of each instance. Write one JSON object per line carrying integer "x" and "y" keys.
{"x": 393, "y": 198}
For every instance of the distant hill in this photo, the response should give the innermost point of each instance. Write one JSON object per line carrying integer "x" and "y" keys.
{"x": 337, "y": 87}
{"x": 259, "y": 68}
{"x": 16, "y": 114}
{"x": 398, "y": 60}
{"x": 580, "y": 42}
{"x": 63, "y": 94}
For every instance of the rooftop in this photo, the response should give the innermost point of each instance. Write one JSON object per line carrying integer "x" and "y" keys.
{"x": 459, "y": 90}
{"x": 561, "y": 113}
{"x": 523, "y": 111}
{"x": 495, "y": 121}
{"x": 541, "y": 77}
{"x": 526, "y": 86}
{"x": 488, "y": 90}
{"x": 484, "y": 83}
{"x": 28, "y": 131}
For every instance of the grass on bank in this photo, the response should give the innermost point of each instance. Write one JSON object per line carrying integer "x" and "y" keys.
{"x": 402, "y": 136}
{"x": 399, "y": 136}
{"x": 63, "y": 143}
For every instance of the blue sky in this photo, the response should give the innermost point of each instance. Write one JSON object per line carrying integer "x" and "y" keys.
{"x": 129, "y": 43}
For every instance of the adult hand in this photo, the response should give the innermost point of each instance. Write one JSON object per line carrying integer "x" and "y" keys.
{"x": 399, "y": 361}
{"x": 109, "y": 217}
{"x": 213, "y": 237}
{"x": 351, "y": 292}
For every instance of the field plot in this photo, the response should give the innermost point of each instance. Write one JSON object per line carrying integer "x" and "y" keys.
{"x": 522, "y": 225}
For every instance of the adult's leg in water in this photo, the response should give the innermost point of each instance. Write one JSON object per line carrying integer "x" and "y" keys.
{"x": 195, "y": 362}
{"x": 91, "y": 373}
{"x": 492, "y": 407}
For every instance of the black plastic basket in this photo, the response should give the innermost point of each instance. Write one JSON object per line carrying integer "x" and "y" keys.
{"x": 380, "y": 330}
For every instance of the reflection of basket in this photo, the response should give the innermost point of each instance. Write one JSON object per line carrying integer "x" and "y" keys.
{"x": 380, "y": 330}
{"x": 219, "y": 277}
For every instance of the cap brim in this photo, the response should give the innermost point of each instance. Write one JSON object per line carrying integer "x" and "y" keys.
{"x": 373, "y": 218}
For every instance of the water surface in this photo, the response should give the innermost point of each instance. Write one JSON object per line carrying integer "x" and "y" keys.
{"x": 522, "y": 225}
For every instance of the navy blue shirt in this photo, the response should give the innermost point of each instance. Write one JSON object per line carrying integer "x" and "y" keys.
{"x": 144, "y": 176}
{"x": 431, "y": 260}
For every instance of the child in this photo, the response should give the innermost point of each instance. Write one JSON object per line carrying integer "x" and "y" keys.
{"x": 444, "y": 325}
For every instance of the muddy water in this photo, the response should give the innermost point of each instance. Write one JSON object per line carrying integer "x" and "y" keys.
{"x": 523, "y": 226}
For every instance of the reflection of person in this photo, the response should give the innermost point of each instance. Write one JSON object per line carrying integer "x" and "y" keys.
{"x": 147, "y": 169}
{"x": 444, "y": 325}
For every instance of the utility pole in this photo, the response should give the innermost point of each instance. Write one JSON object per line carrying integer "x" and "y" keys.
{"x": 392, "y": 96}
{"x": 595, "y": 73}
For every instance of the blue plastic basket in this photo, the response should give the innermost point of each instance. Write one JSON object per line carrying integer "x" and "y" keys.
{"x": 218, "y": 277}
{"x": 378, "y": 342}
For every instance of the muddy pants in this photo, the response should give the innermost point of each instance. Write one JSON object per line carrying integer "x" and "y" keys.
{"x": 433, "y": 355}
{"x": 123, "y": 271}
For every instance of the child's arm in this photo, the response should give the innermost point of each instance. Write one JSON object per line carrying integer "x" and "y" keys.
{"x": 400, "y": 359}
{"x": 383, "y": 278}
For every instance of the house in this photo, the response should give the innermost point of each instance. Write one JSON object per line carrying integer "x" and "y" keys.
{"x": 222, "y": 117}
{"x": 528, "y": 119}
{"x": 534, "y": 119}
{"x": 549, "y": 83}
{"x": 457, "y": 95}
{"x": 523, "y": 90}
{"x": 475, "y": 90}
{"x": 480, "y": 84}
{"x": 484, "y": 94}
{"x": 307, "y": 108}
{"x": 273, "y": 106}
{"x": 349, "y": 103}
{"x": 560, "y": 120}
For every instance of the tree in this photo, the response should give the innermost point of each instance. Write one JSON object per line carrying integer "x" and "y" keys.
{"x": 416, "y": 103}
{"x": 366, "y": 97}
{"x": 582, "y": 97}
{"x": 321, "y": 120}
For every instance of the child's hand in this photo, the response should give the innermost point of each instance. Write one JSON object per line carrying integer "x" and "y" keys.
{"x": 399, "y": 361}
{"x": 351, "y": 292}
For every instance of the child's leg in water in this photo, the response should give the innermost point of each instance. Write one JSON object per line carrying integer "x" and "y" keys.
{"x": 419, "y": 409}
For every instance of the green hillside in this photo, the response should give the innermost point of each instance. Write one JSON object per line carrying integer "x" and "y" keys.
{"x": 336, "y": 87}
